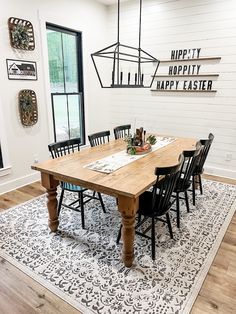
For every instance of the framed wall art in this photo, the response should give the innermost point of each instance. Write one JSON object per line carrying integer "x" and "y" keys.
{"x": 21, "y": 70}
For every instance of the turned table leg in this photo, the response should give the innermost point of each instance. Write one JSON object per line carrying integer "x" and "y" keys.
{"x": 128, "y": 208}
{"x": 51, "y": 185}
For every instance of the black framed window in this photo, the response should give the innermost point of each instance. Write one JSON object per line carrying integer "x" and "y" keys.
{"x": 66, "y": 82}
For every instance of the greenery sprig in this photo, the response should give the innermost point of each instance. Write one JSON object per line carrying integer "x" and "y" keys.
{"x": 151, "y": 139}
{"x": 20, "y": 36}
{"x": 26, "y": 102}
{"x": 131, "y": 148}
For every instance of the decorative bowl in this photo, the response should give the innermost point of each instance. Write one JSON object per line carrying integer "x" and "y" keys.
{"x": 139, "y": 150}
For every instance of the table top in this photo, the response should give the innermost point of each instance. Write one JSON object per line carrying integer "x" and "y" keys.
{"x": 130, "y": 180}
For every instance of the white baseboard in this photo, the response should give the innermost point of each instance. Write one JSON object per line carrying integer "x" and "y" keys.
{"x": 5, "y": 171}
{"x": 17, "y": 183}
{"x": 220, "y": 172}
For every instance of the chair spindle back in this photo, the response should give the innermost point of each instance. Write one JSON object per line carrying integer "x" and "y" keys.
{"x": 165, "y": 184}
{"x": 99, "y": 138}
{"x": 66, "y": 147}
{"x": 190, "y": 161}
{"x": 121, "y": 131}
{"x": 206, "y": 144}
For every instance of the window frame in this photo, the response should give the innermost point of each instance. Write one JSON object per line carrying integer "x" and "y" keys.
{"x": 1, "y": 159}
{"x": 79, "y": 48}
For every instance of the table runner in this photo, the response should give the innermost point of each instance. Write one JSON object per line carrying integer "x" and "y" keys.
{"x": 113, "y": 162}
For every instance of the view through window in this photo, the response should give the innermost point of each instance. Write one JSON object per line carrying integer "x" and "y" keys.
{"x": 66, "y": 82}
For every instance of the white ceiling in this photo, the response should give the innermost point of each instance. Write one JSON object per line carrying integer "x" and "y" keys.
{"x": 108, "y": 2}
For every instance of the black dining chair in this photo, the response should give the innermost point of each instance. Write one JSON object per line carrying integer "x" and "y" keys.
{"x": 121, "y": 131}
{"x": 63, "y": 148}
{"x": 156, "y": 203}
{"x": 198, "y": 170}
{"x": 99, "y": 138}
{"x": 184, "y": 180}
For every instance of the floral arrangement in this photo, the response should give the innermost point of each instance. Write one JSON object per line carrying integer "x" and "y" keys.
{"x": 26, "y": 102}
{"x": 20, "y": 36}
{"x": 138, "y": 144}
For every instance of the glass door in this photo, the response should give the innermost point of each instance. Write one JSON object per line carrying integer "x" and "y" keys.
{"x": 66, "y": 82}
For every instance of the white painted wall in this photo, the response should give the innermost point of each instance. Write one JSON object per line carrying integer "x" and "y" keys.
{"x": 168, "y": 25}
{"x": 21, "y": 144}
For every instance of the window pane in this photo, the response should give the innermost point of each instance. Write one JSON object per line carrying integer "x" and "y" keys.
{"x": 55, "y": 59}
{"x": 70, "y": 63}
{"x": 61, "y": 117}
{"x": 65, "y": 67}
{"x": 74, "y": 105}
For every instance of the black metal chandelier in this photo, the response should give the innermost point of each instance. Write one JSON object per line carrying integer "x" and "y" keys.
{"x": 126, "y": 63}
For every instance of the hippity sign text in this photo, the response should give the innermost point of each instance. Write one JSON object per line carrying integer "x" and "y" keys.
{"x": 185, "y": 70}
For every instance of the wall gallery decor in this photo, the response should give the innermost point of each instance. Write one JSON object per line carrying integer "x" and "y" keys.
{"x": 185, "y": 73}
{"x": 28, "y": 107}
{"x": 21, "y": 33}
{"x": 21, "y": 70}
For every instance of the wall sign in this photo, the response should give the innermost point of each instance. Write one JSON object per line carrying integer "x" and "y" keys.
{"x": 185, "y": 72}
{"x": 200, "y": 85}
{"x": 185, "y": 54}
{"x": 21, "y": 70}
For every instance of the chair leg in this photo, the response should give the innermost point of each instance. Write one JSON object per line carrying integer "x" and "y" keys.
{"x": 82, "y": 209}
{"x": 200, "y": 183}
{"x": 169, "y": 225}
{"x": 139, "y": 217}
{"x": 177, "y": 210}
{"x": 194, "y": 194}
{"x": 153, "y": 240}
{"x": 186, "y": 200}
{"x": 119, "y": 235}
{"x": 101, "y": 201}
{"x": 60, "y": 202}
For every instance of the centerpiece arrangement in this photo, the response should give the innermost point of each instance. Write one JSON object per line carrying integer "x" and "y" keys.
{"x": 138, "y": 144}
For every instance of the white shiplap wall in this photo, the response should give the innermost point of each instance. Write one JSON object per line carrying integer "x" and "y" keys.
{"x": 169, "y": 25}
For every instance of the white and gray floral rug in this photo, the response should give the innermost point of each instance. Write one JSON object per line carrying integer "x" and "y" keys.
{"x": 84, "y": 267}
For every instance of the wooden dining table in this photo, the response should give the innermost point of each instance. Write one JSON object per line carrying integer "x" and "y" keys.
{"x": 126, "y": 183}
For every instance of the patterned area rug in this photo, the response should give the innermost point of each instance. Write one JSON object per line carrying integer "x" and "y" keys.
{"x": 84, "y": 267}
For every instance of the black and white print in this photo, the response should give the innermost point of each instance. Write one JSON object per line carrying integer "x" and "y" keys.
{"x": 21, "y": 70}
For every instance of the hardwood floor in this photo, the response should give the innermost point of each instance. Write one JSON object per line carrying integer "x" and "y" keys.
{"x": 19, "y": 294}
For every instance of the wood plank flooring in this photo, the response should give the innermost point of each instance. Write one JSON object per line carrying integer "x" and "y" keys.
{"x": 19, "y": 294}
